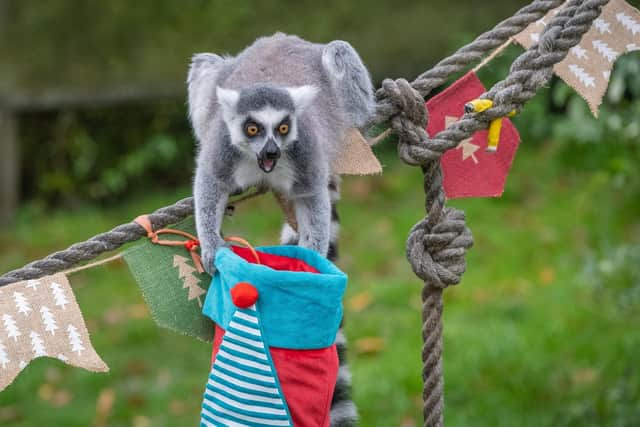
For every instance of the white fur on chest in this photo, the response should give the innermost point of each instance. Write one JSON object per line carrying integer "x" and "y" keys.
{"x": 280, "y": 179}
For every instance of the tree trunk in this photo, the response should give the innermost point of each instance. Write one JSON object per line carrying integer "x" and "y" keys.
{"x": 9, "y": 166}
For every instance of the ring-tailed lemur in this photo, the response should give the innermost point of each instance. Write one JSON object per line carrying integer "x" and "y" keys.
{"x": 275, "y": 115}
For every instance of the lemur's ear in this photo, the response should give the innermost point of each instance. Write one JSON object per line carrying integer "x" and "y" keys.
{"x": 302, "y": 96}
{"x": 227, "y": 98}
{"x": 202, "y": 63}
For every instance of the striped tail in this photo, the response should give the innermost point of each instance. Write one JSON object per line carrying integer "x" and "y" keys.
{"x": 343, "y": 411}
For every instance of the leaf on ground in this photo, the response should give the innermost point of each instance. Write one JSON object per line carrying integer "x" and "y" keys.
{"x": 141, "y": 421}
{"x": 177, "y": 407}
{"x": 138, "y": 311}
{"x": 9, "y": 414}
{"x": 61, "y": 398}
{"x": 360, "y": 301}
{"x": 163, "y": 379}
{"x": 482, "y": 295}
{"x": 408, "y": 421}
{"x": 136, "y": 367}
{"x": 547, "y": 275}
{"x": 370, "y": 345}
{"x": 584, "y": 376}
{"x": 53, "y": 374}
{"x": 136, "y": 400}
{"x": 104, "y": 406}
{"x": 113, "y": 316}
{"x": 46, "y": 392}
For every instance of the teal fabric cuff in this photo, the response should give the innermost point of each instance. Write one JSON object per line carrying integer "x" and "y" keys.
{"x": 298, "y": 310}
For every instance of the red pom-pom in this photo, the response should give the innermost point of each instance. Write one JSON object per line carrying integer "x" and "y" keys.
{"x": 244, "y": 295}
{"x": 191, "y": 244}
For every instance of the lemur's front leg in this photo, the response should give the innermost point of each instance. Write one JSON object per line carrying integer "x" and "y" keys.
{"x": 211, "y": 198}
{"x": 313, "y": 214}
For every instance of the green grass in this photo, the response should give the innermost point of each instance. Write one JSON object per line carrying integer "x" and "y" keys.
{"x": 528, "y": 340}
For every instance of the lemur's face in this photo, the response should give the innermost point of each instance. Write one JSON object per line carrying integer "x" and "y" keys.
{"x": 263, "y": 120}
{"x": 265, "y": 132}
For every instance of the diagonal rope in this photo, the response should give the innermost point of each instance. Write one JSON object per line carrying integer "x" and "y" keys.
{"x": 468, "y": 54}
{"x": 97, "y": 245}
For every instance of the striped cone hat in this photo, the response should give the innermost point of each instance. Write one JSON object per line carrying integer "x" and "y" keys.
{"x": 243, "y": 388}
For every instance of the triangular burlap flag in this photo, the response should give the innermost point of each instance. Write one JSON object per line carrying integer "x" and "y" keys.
{"x": 42, "y": 318}
{"x": 171, "y": 285}
{"x": 587, "y": 67}
{"x": 356, "y": 157}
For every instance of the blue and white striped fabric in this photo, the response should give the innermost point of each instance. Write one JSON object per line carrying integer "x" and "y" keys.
{"x": 243, "y": 389}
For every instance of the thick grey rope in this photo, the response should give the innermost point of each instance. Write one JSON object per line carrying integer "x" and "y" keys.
{"x": 99, "y": 244}
{"x": 468, "y": 54}
{"x": 436, "y": 246}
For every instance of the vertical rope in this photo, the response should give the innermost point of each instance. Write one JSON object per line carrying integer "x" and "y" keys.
{"x": 436, "y": 246}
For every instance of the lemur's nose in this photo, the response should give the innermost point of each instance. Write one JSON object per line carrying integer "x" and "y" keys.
{"x": 271, "y": 151}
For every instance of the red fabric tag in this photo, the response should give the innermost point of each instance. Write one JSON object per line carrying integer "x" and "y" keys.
{"x": 277, "y": 262}
{"x": 468, "y": 170}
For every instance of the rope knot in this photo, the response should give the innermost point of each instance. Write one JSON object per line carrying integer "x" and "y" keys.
{"x": 410, "y": 123}
{"x": 436, "y": 253}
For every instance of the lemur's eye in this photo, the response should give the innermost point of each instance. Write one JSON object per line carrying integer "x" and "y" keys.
{"x": 251, "y": 129}
{"x": 283, "y": 129}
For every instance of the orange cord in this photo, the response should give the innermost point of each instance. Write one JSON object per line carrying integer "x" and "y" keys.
{"x": 241, "y": 241}
{"x": 191, "y": 244}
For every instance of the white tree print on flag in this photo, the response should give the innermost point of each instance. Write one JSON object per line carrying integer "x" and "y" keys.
{"x": 31, "y": 313}
{"x": 33, "y": 284}
{"x": 582, "y": 75}
{"x": 11, "y": 327}
{"x": 602, "y": 26}
{"x": 604, "y": 50}
{"x": 630, "y": 24}
{"x": 37, "y": 345}
{"x": 615, "y": 32}
{"x": 4, "y": 357}
{"x": 21, "y": 303}
{"x": 58, "y": 295}
{"x": 48, "y": 320}
{"x": 74, "y": 339}
{"x": 579, "y": 52}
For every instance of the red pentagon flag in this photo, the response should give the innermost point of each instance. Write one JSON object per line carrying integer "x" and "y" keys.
{"x": 469, "y": 170}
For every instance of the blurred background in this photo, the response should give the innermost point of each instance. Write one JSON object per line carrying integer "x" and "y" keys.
{"x": 544, "y": 329}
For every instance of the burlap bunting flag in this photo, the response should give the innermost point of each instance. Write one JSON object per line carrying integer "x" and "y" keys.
{"x": 587, "y": 67}
{"x": 41, "y": 318}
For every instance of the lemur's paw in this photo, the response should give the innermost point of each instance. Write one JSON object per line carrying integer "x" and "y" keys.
{"x": 208, "y": 257}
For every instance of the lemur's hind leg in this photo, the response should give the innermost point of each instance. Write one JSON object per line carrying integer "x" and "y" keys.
{"x": 289, "y": 236}
{"x": 343, "y": 411}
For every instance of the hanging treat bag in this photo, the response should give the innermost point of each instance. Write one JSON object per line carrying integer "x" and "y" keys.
{"x": 277, "y": 311}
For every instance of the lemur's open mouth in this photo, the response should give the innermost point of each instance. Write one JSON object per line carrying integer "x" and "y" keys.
{"x": 267, "y": 165}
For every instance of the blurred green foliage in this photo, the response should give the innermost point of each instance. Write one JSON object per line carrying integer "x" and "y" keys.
{"x": 100, "y": 154}
{"x": 95, "y": 44}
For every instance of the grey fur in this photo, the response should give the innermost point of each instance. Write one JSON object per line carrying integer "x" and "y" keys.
{"x": 277, "y": 71}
